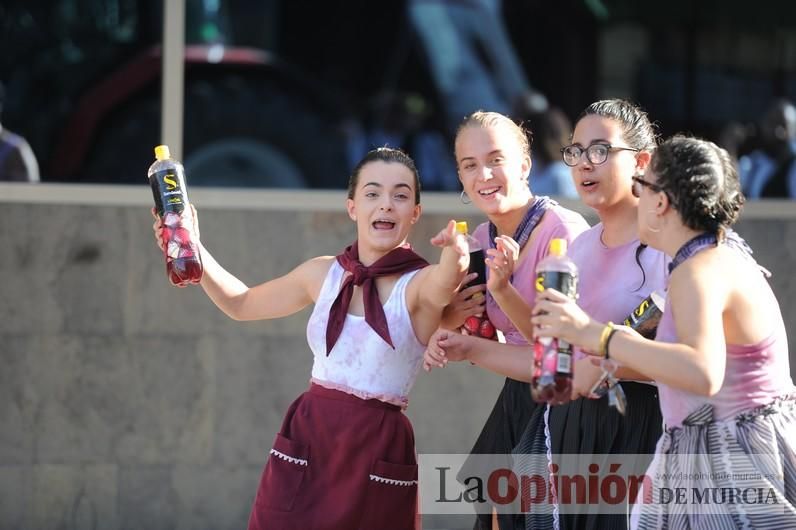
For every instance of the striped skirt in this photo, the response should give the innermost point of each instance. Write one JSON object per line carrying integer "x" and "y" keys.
{"x": 738, "y": 473}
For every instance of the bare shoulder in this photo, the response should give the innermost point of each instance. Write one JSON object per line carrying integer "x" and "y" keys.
{"x": 319, "y": 264}
{"x": 313, "y": 272}
{"x": 416, "y": 284}
{"x": 709, "y": 272}
{"x": 421, "y": 276}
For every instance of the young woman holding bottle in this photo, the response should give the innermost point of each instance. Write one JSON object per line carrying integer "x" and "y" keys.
{"x": 494, "y": 164}
{"x": 612, "y": 143}
{"x": 345, "y": 455}
{"x": 720, "y": 357}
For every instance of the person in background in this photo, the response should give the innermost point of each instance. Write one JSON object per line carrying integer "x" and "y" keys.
{"x": 17, "y": 161}
{"x": 770, "y": 170}
{"x": 551, "y": 131}
{"x": 401, "y": 120}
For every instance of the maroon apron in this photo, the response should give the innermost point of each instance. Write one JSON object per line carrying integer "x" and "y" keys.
{"x": 339, "y": 463}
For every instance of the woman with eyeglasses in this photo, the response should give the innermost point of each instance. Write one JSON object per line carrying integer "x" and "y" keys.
{"x": 611, "y": 145}
{"x": 720, "y": 356}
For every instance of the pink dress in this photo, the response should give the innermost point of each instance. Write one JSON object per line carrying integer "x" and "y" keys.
{"x": 746, "y": 436}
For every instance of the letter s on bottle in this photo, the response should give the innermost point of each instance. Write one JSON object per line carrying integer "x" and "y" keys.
{"x": 170, "y": 182}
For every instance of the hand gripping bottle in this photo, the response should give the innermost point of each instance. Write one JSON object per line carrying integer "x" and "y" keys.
{"x": 552, "y": 370}
{"x": 167, "y": 179}
{"x": 475, "y": 325}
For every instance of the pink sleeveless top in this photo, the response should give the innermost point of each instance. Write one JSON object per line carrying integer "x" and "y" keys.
{"x": 361, "y": 363}
{"x": 558, "y": 222}
{"x": 755, "y": 374}
{"x": 611, "y": 284}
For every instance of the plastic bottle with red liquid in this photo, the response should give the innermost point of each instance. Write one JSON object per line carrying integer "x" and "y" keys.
{"x": 167, "y": 179}
{"x": 552, "y": 371}
{"x": 475, "y": 325}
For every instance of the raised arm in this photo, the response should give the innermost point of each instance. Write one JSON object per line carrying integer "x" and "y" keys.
{"x": 279, "y": 297}
{"x": 435, "y": 286}
{"x": 501, "y": 261}
{"x": 276, "y": 298}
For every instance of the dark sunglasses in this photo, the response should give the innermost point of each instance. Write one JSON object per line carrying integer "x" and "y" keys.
{"x": 644, "y": 183}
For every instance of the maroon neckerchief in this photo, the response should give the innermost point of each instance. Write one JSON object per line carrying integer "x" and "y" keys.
{"x": 397, "y": 261}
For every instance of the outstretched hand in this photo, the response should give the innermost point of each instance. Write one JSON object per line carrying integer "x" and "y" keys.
{"x": 443, "y": 346}
{"x": 448, "y": 237}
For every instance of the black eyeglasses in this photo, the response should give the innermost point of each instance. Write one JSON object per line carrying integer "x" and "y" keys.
{"x": 595, "y": 153}
{"x": 645, "y": 183}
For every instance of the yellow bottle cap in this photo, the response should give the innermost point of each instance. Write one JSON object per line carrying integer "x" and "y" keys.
{"x": 162, "y": 152}
{"x": 558, "y": 247}
{"x": 461, "y": 227}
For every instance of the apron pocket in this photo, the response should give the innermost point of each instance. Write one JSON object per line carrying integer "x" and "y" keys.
{"x": 283, "y": 475}
{"x": 391, "y": 498}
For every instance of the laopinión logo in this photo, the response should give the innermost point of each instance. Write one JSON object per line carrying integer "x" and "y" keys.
{"x": 462, "y": 484}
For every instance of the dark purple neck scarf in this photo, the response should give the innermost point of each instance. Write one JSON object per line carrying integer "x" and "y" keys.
{"x": 523, "y": 232}
{"x": 707, "y": 240}
{"x": 397, "y": 261}
{"x": 528, "y": 223}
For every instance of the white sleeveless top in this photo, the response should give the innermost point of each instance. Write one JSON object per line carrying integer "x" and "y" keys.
{"x": 362, "y": 363}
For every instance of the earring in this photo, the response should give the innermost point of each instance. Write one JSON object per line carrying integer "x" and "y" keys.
{"x": 465, "y": 198}
{"x": 649, "y": 226}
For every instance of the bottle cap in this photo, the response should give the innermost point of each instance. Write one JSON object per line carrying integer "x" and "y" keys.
{"x": 162, "y": 152}
{"x": 558, "y": 246}
{"x": 461, "y": 227}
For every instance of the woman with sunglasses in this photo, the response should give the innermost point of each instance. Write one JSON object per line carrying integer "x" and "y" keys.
{"x": 720, "y": 356}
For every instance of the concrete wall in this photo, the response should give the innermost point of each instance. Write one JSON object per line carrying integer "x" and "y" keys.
{"x": 127, "y": 403}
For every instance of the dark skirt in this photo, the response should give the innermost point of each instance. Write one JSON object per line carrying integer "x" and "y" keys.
{"x": 590, "y": 426}
{"x": 339, "y": 462}
{"x": 511, "y": 415}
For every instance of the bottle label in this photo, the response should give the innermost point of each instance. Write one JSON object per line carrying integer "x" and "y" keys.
{"x": 564, "y": 363}
{"x": 168, "y": 190}
{"x": 645, "y": 318}
{"x": 563, "y": 282}
{"x": 477, "y": 265}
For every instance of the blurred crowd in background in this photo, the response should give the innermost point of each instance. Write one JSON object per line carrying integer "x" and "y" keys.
{"x": 289, "y": 94}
